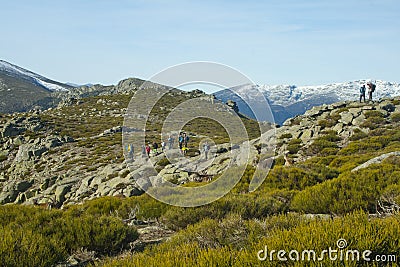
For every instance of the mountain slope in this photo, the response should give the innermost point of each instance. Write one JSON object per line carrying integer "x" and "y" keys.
{"x": 19, "y": 73}
{"x": 21, "y": 89}
{"x": 287, "y": 101}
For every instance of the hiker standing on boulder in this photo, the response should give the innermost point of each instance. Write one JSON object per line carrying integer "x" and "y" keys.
{"x": 371, "y": 89}
{"x": 362, "y": 93}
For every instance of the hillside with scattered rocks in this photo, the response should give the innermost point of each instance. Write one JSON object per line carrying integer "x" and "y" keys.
{"x": 73, "y": 153}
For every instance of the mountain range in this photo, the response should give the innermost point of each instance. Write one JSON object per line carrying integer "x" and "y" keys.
{"x": 287, "y": 101}
{"x": 22, "y": 90}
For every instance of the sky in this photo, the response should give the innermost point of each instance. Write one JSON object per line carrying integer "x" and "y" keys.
{"x": 299, "y": 42}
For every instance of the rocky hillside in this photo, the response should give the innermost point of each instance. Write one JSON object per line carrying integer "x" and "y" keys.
{"x": 326, "y": 129}
{"x": 73, "y": 153}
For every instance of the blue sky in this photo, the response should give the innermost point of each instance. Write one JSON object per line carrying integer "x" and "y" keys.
{"x": 272, "y": 42}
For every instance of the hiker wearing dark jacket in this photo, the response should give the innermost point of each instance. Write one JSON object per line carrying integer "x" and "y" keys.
{"x": 362, "y": 93}
{"x": 371, "y": 89}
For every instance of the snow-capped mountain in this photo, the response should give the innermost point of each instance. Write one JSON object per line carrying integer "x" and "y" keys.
{"x": 16, "y": 72}
{"x": 289, "y": 100}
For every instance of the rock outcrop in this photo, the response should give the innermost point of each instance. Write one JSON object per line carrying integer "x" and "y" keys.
{"x": 346, "y": 119}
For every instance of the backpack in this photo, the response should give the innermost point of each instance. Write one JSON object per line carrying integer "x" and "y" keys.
{"x": 373, "y": 87}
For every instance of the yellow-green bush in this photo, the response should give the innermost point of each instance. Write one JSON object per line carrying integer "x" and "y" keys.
{"x": 32, "y": 236}
{"x": 143, "y": 207}
{"x": 395, "y": 117}
{"x": 210, "y": 243}
{"x": 349, "y": 192}
{"x": 247, "y": 206}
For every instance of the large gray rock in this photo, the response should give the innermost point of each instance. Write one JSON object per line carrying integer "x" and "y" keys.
{"x": 306, "y": 135}
{"x": 51, "y": 142}
{"x": 103, "y": 189}
{"x": 338, "y": 128}
{"x": 346, "y": 117}
{"x": 8, "y": 195}
{"x": 355, "y": 111}
{"x": 315, "y": 111}
{"x": 11, "y": 129}
{"x": 30, "y": 151}
{"x": 22, "y": 186}
{"x": 143, "y": 183}
{"x": 131, "y": 191}
{"x": 12, "y": 189}
{"x": 156, "y": 181}
{"x": 61, "y": 191}
{"x": 358, "y": 120}
{"x": 376, "y": 160}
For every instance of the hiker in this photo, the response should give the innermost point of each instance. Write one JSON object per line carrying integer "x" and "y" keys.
{"x": 371, "y": 89}
{"x": 162, "y": 146}
{"x": 185, "y": 139}
{"x": 155, "y": 147}
{"x": 148, "y": 150}
{"x": 180, "y": 140}
{"x": 206, "y": 148}
{"x": 130, "y": 150}
{"x": 170, "y": 142}
{"x": 144, "y": 151}
{"x": 184, "y": 149}
{"x": 362, "y": 93}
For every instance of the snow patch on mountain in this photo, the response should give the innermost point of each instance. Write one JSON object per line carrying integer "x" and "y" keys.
{"x": 286, "y": 95}
{"x": 18, "y": 72}
{"x": 287, "y": 101}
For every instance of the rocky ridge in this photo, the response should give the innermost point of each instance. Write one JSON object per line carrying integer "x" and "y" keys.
{"x": 347, "y": 120}
{"x": 41, "y": 165}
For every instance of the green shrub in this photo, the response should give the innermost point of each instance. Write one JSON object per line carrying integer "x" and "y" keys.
{"x": 330, "y": 136}
{"x": 349, "y": 192}
{"x": 3, "y": 158}
{"x": 395, "y": 117}
{"x": 328, "y": 151}
{"x": 358, "y": 135}
{"x": 359, "y": 147}
{"x": 319, "y": 145}
{"x": 285, "y": 136}
{"x": 247, "y": 206}
{"x": 213, "y": 243}
{"x": 294, "y": 148}
{"x": 374, "y": 113}
{"x": 373, "y": 122}
{"x": 329, "y": 121}
{"x": 295, "y": 142}
{"x": 298, "y": 178}
{"x": 32, "y": 236}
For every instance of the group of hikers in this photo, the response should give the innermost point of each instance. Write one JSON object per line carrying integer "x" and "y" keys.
{"x": 363, "y": 89}
{"x": 183, "y": 140}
